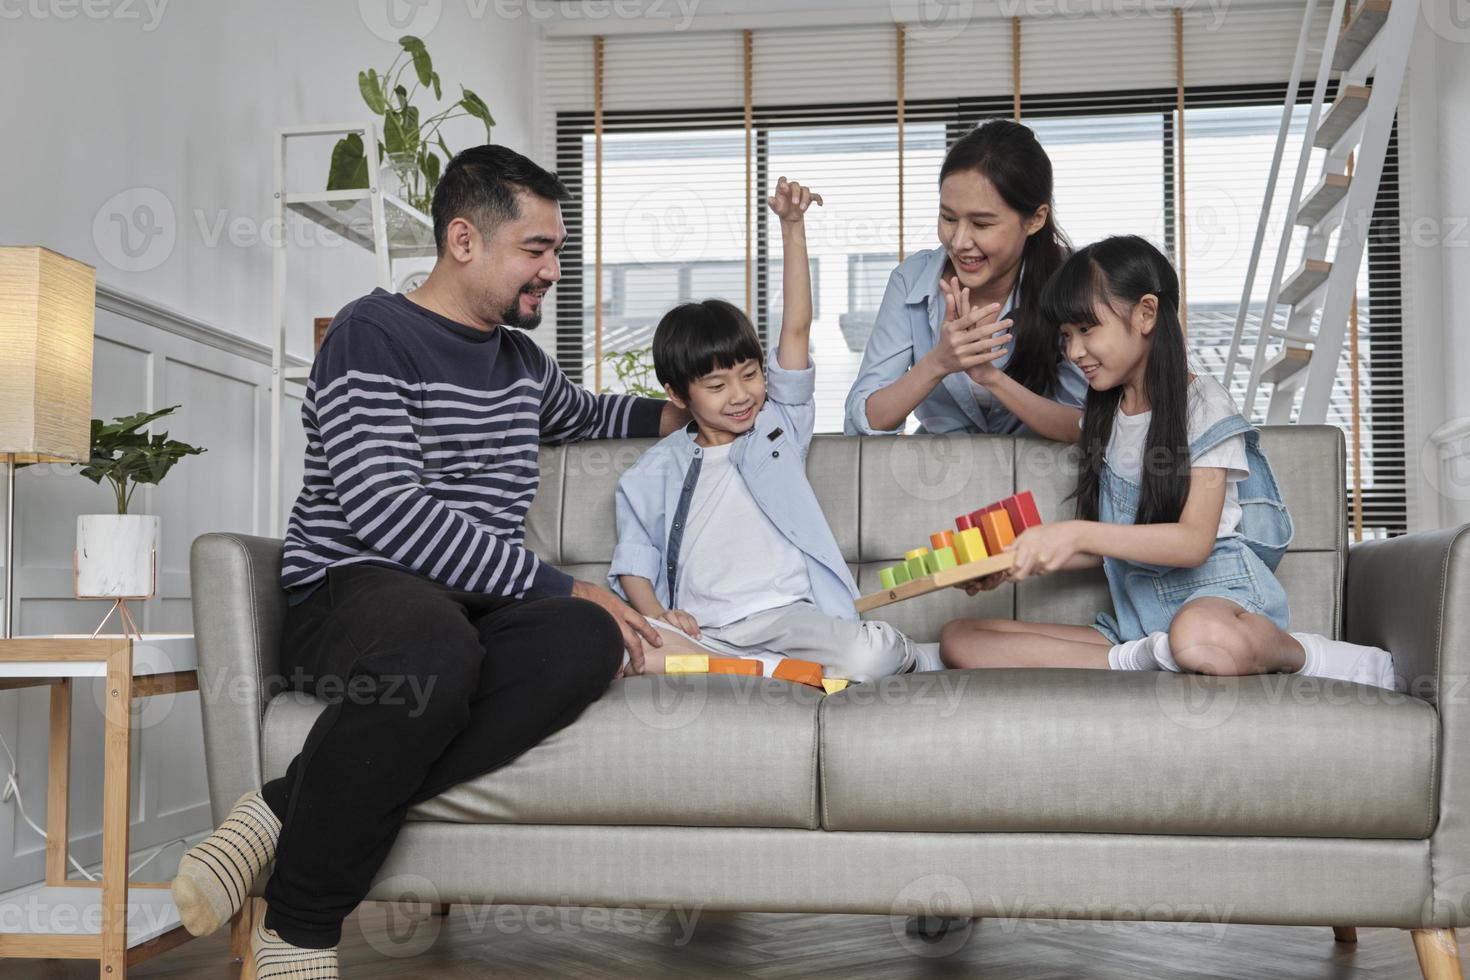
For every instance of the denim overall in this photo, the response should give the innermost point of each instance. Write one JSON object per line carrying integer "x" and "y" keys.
{"x": 1240, "y": 568}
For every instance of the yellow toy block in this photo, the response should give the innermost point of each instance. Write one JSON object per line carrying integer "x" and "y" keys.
{"x": 969, "y": 545}
{"x": 686, "y": 663}
{"x": 913, "y": 553}
{"x": 833, "y": 684}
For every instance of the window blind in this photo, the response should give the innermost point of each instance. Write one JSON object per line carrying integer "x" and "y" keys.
{"x": 1100, "y": 92}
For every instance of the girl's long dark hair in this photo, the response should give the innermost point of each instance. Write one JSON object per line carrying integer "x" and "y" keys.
{"x": 1117, "y": 272}
{"x": 1008, "y": 155}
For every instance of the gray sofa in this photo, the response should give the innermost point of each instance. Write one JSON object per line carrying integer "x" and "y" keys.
{"x": 1043, "y": 793}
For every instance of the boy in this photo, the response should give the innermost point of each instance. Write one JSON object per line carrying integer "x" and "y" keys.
{"x": 721, "y": 541}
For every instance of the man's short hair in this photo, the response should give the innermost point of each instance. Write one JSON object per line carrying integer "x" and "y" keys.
{"x": 480, "y": 185}
{"x": 695, "y": 339}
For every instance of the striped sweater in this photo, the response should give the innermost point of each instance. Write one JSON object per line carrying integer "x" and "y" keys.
{"x": 421, "y": 449}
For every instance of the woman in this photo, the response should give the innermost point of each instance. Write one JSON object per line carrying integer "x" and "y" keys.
{"x": 958, "y": 340}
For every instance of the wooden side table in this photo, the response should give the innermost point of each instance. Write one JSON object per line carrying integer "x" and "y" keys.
{"x": 87, "y": 921}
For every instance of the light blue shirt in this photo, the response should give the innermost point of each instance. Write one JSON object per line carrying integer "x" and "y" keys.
{"x": 908, "y": 325}
{"x": 652, "y": 500}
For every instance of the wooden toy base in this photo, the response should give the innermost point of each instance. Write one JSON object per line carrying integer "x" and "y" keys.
{"x": 942, "y": 579}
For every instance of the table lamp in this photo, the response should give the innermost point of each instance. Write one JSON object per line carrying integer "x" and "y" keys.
{"x": 47, "y": 306}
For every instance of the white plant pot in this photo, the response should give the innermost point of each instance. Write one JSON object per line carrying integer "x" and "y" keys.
{"x": 116, "y": 555}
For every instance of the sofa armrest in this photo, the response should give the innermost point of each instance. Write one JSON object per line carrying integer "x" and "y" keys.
{"x": 239, "y": 606}
{"x": 1411, "y": 596}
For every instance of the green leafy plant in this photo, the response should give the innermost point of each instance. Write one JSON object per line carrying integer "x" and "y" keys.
{"x": 125, "y": 457}
{"x": 411, "y": 143}
{"x": 634, "y": 369}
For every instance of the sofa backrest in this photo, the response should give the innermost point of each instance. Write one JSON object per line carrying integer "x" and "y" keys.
{"x": 885, "y": 495}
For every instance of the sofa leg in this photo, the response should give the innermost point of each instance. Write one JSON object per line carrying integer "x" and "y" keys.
{"x": 1345, "y": 934}
{"x": 1439, "y": 954}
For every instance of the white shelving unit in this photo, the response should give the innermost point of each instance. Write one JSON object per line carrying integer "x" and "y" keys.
{"x": 372, "y": 219}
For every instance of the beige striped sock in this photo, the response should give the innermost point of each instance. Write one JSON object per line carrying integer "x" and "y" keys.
{"x": 276, "y": 959}
{"x": 216, "y": 875}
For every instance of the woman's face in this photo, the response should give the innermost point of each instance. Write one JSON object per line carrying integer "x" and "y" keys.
{"x": 982, "y": 234}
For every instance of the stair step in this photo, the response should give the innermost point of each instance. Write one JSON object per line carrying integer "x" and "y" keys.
{"x": 1351, "y": 102}
{"x": 1359, "y": 33}
{"x": 1284, "y": 365}
{"x": 1308, "y": 278}
{"x": 1323, "y": 197}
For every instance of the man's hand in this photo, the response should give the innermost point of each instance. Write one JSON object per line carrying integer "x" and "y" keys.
{"x": 681, "y": 620}
{"x": 628, "y": 619}
{"x": 970, "y": 338}
{"x": 986, "y": 584}
{"x": 791, "y": 201}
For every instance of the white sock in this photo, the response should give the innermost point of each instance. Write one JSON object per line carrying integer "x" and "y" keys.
{"x": 926, "y": 657}
{"x": 1345, "y": 661}
{"x": 1163, "y": 653}
{"x": 1142, "y": 654}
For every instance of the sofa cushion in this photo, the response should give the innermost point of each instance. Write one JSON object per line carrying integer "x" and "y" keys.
{"x": 696, "y": 751}
{"x": 1127, "y": 753}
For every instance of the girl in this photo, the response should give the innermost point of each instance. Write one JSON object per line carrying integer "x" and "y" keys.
{"x": 1174, "y": 499}
{"x": 940, "y": 347}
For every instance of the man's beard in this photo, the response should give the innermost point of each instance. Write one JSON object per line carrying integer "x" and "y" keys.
{"x": 512, "y": 316}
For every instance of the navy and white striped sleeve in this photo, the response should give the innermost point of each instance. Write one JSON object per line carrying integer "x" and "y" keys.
{"x": 570, "y": 413}
{"x": 366, "y": 411}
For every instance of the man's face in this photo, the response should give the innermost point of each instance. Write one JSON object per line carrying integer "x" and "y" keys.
{"x": 520, "y": 262}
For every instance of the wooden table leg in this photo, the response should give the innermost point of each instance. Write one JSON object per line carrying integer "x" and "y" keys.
{"x": 58, "y": 782}
{"x": 116, "y": 804}
{"x": 240, "y": 929}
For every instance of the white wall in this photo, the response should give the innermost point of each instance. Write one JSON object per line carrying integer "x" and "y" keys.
{"x": 176, "y": 111}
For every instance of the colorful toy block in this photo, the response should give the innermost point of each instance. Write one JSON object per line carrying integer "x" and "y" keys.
{"x": 1021, "y": 509}
{"x": 833, "y": 684}
{"x": 799, "y": 672}
{"x": 995, "y": 527}
{"x": 686, "y": 663}
{"x": 931, "y": 563}
{"x": 941, "y": 539}
{"x": 969, "y": 545}
{"x": 916, "y": 564}
{"x": 963, "y": 522}
{"x": 886, "y": 579}
{"x": 944, "y": 558}
{"x": 901, "y": 575}
{"x": 735, "y": 665}
{"x": 913, "y": 553}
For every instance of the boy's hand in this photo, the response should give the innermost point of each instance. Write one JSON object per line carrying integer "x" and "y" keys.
{"x": 629, "y": 620}
{"x": 791, "y": 201}
{"x": 681, "y": 620}
{"x": 989, "y": 583}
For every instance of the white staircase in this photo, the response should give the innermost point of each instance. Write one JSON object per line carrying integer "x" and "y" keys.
{"x": 1368, "y": 56}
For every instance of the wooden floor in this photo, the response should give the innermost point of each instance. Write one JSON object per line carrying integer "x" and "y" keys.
{"x": 512, "y": 941}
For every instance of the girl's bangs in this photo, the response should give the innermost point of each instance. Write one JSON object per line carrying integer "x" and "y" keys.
{"x": 1073, "y": 294}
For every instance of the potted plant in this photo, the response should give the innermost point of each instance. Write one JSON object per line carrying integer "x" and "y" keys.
{"x": 411, "y": 144}
{"x": 116, "y": 552}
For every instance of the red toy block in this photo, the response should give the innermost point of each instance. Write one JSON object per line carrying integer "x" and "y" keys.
{"x": 799, "y": 672}
{"x": 735, "y": 665}
{"x": 995, "y": 528}
{"x": 963, "y": 523}
{"x": 1022, "y": 511}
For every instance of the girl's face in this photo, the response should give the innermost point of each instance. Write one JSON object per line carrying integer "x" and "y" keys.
{"x": 982, "y": 234}
{"x": 1114, "y": 350}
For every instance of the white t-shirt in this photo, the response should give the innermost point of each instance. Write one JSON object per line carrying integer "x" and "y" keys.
{"x": 1209, "y": 402}
{"x": 733, "y": 562}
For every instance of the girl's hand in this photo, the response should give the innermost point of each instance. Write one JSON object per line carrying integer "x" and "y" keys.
{"x": 989, "y": 583}
{"x": 681, "y": 620}
{"x": 791, "y": 200}
{"x": 1044, "y": 549}
{"x": 968, "y": 339}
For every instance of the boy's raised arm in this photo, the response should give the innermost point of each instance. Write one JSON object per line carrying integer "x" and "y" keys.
{"x": 790, "y": 202}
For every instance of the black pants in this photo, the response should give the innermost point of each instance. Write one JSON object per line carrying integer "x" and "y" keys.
{"x": 427, "y": 687}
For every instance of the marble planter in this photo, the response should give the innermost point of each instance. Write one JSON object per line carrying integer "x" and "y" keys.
{"x": 115, "y": 555}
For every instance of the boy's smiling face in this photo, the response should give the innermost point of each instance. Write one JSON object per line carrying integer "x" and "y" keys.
{"x": 725, "y": 402}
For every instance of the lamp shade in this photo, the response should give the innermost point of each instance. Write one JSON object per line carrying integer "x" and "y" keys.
{"x": 47, "y": 307}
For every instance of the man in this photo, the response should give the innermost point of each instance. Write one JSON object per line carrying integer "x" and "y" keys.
{"x": 444, "y": 647}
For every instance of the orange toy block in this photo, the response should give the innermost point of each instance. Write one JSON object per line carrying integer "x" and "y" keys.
{"x": 1021, "y": 509}
{"x": 799, "y": 672}
{"x": 995, "y": 527}
{"x": 734, "y": 665}
{"x": 941, "y": 539}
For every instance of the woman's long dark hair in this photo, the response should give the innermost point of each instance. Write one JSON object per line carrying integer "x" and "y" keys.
{"x": 1118, "y": 272}
{"x": 1007, "y": 154}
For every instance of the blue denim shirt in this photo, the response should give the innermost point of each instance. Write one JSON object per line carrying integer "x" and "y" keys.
{"x": 653, "y": 496}
{"x": 908, "y": 324}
